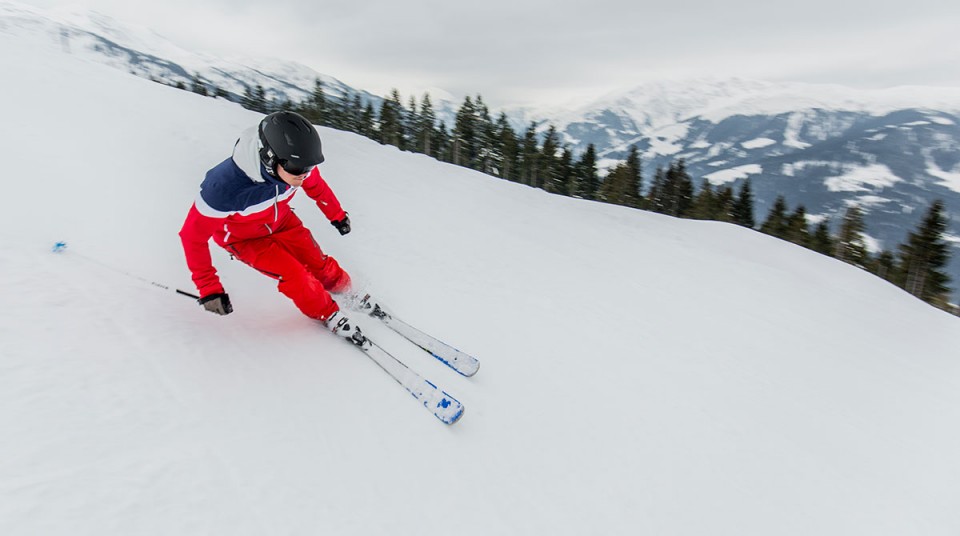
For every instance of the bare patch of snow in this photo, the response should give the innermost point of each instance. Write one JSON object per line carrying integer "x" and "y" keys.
{"x": 664, "y": 141}
{"x": 729, "y": 175}
{"x": 700, "y": 144}
{"x": 949, "y": 179}
{"x": 862, "y": 179}
{"x": 758, "y": 143}
{"x": 791, "y": 168}
{"x": 791, "y": 136}
{"x": 874, "y": 245}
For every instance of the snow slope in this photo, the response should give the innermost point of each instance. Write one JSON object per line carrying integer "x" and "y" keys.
{"x": 641, "y": 374}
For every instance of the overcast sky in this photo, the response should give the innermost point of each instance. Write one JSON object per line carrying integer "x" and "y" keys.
{"x": 517, "y": 51}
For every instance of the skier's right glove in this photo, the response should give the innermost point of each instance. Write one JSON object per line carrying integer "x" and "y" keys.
{"x": 342, "y": 225}
{"x": 217, "y": 303}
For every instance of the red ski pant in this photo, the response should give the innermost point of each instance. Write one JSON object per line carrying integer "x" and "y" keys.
{"x": 294, "y": 259}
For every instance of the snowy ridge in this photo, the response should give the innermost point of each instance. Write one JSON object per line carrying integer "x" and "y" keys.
{"x": 657, "y": 104}
{"x": 140, "y": 50}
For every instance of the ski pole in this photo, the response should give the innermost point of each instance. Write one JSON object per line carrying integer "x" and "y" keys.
{"x": 60, "y": 247}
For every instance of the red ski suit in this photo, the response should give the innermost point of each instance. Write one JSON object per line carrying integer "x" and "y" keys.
{"x": 253, "y": 221}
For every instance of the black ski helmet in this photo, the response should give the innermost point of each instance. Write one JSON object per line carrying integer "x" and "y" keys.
{"x": 290, "y": 141}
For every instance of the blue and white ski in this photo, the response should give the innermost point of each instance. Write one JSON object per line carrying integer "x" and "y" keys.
{"x": 461, "y": 362}
{"x": 443, "y": 406}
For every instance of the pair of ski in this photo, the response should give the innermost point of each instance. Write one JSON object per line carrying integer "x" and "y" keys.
{"x": 443, "y": 406}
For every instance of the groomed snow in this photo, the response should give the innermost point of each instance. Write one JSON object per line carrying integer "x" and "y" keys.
{"x": 641, "y": 374}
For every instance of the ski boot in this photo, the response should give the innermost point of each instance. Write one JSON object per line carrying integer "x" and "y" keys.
{"x": 340, "y": 325}
{"x": 366, "y": 305}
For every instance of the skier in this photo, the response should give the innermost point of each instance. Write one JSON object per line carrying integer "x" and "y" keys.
{"x": 244, "y": 205}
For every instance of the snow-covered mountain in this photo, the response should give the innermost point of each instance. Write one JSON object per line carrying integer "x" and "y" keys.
{"x": 826, "y": 147}
{"x": 641, "y": 374}
{"x": 141, "y": 51}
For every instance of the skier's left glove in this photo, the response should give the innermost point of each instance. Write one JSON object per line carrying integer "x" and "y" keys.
{"x": 342, "y": 225}
{"x": 217, "y": 303}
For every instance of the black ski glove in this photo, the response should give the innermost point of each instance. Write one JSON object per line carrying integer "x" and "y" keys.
{"x": 217, "y": 303}
{"x": 342, "y": 225}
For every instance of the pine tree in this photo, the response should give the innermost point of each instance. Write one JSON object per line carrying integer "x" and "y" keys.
{"x": 485, "y": 160}
{"x": 705, "y": 203}
{"x": 355, "y": 114}
{"x": 885, "y": 265}
{"x": 411, "y": 126}
{"x": 676, "y": 191}
{"x": 508, "y": 149}
{"x": 315, "y": 107}
{"x": 197, "y": 86}
{"x": 368, "y": 122}
{"x": 530, "y": 157}
{"x": 776, "y": 223}
{"x": 319, "y": 106}
{"x": 622, "y": 185}
{"x": 552, "y": 182}
{"x": 725, "y": 203}
{"x": 565, "y": 168}
{"x": 656, "y": 200}
{"x": 851, "y": 247}
{"x": 797, "y": 230}
{"x": 265, "y": 105}
{"x": 743, "y": 208}
{"x": 426, "y": 127}
{"x": 401, "y": 120}
{"x": 390, "y": 131}
{"x": 585, "y": 181}
{"x": 821, "y": 241}
{"x": 444, "y": 145}
{"x": 925, "y": 255}
{"x": 464, "y": 135}
{"x": 635, "y": 178}
{"x": 254, "y": 99}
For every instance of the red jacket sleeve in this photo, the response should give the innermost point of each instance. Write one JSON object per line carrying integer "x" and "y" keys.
{"x": 319, "y": 191}
{"x": 195, "y": 235}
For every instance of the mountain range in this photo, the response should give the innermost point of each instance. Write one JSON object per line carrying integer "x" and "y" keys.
{"x": 826, "y": 147}
{"x": 892, "y": 152}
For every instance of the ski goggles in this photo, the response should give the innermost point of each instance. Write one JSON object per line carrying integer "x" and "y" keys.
{"x": 293, "y": 169}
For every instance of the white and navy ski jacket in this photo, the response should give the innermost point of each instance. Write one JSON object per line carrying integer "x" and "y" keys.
{"x": 238, "y": 200}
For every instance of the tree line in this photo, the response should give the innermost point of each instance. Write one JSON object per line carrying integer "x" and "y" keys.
{"x": 918, "y": 265}
{"x": 477, "y": 141}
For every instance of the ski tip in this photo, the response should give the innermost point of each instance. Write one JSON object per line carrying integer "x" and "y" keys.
{"x": 474, "y": 370}
{"x": 449, "y": 410}
{"x": 455, "y": 418}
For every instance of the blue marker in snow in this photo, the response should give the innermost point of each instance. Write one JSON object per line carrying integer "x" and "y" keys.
{"x": 59, "y": 247}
